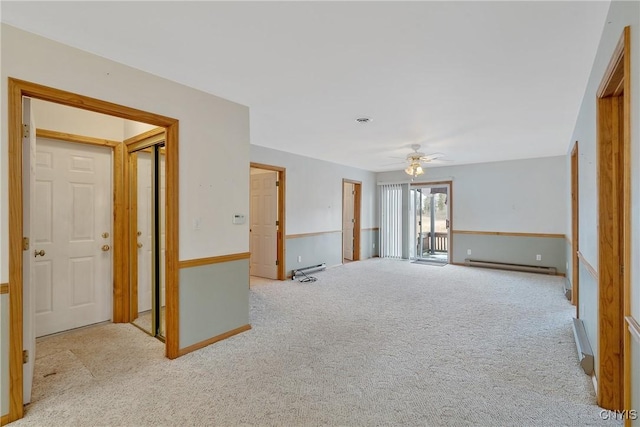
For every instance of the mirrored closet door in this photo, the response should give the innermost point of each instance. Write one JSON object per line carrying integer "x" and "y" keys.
{"x": 147, "y": 203}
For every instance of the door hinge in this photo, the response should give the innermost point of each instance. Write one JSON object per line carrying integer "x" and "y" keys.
{"x": 353, "y": 220}
{"x": 277, "y": 262}
{"x": 25, "y": 243}
{"x": 25, "y": 356}
{"x": 353, "y": 192}
{"x": 622, "y": 270}
{"x": 277, "y": 222}
{"x": 277, "y": 183}
{"x": 25, "y": 130}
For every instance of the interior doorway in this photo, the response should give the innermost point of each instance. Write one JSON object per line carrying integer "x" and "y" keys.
{"x": 430, "y": 222}
{"x": 21, "y": 153}
{"x": 351, "y": 201}
{"x": 147, "y": 205}
{"x": 267, "y": 221}
{"x": 613, "y": 105}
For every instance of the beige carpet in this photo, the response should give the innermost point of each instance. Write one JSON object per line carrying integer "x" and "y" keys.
{"x": 378, "y": 342}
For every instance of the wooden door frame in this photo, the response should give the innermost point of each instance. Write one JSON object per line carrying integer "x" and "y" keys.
{"x": 357, "y": 203}
{"x": 282, "y": 191}
{"x": 449, "y": 185}
{"x": 17, "y": 89}
{"x": 575, "y": 227}
{"x": 614, "y": 228}
{"x": 134, "y": 144}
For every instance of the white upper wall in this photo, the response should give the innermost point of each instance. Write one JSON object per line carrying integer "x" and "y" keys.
{"x": 314, "y": 191}
{"x": 214, "y": 136}
{"x": 525, "y": 196}
{"x": 60, "y": 118}
{"x": 135, "y": 128}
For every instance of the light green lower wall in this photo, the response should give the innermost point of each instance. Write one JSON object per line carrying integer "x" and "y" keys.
{"x": 369, "y": 244}
{"x": 4, "y": 351}
{"x": 214, "y": 299}
{"x": 313, "y": 250}
{"x": 325, "y": 248}
{"x": 511, "y": 249}
{"x": 588, "y": 309}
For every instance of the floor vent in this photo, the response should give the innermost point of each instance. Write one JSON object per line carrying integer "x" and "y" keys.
{"x": 513, "y": 267}
{"x": 301, "y": 272}
{"x": 585, "y": 354}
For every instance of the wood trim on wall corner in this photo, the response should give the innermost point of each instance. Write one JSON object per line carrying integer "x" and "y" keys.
{"x": 213, "y": 260}
{"x": 81, "y": 139}
{"x": 634, "y": 327}
{"x": 350, "y": 181}
{"x": 202, "y": 344}
{"x": 592, "y": 271}
{"x": 4, "y": 288}
{"x": 146, "y": 140}
{"x": 145, "y": 135}
{"x": 266, "y": 167}
{"x": 511, "y": 234}
{"x": 298, "y": 236}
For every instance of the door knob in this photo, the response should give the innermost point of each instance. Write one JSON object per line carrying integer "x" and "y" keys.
{"x": 105, "y": 248}
{"x": 139, "y": 245}
{"x": 40, "y": 253}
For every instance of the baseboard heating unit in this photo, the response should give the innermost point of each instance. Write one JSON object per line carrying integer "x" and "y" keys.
{"x": 513, "y": 267}
{"x": 585, "y": 354}
{"x": 304, "y": 272}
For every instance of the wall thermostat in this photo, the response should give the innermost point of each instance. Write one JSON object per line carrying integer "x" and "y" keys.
{"x": 239, "y": 219}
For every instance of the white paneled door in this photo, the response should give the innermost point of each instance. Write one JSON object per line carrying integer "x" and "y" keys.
{"x": 348, "y": 220}
{"x": 263, "y": 215}
{"x": 72, "y": 236}
{"x": 28, "y": 262}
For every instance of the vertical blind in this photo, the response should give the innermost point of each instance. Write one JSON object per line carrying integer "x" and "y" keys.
{"x": 391, "y": 220}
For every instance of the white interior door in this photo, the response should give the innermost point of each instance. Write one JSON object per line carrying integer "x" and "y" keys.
{"x": 28, "y": 264}
{"x": 145, "y": 231}
{"x": 73, "y": 227}
{"x": 263, "y": 213}
{"x": 348, "y": 220}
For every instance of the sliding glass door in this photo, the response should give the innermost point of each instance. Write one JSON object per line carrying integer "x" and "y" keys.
{"x": 429, "y": 221}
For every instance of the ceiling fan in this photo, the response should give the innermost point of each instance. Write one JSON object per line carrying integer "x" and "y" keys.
{"x": 416, "y": 159}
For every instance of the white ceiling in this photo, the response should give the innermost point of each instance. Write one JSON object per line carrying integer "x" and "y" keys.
{"x": 477, "y": 81}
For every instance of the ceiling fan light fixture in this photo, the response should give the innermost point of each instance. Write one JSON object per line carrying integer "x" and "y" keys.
{"x": 414, "y": 169}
